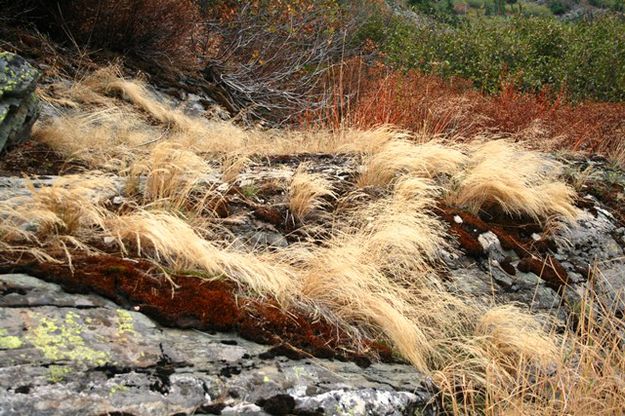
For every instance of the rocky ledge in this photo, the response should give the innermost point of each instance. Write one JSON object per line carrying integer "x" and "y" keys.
{"x": 69, "y": 354}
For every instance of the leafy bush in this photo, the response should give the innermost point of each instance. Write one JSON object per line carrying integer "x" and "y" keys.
{"x": 586, "y": 58}
{"x": 529, "y": 8}
{"x": 614, "y": 5}
{"x": 558, "y": 7}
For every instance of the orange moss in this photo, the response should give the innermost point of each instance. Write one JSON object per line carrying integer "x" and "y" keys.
{"x": 507, "y": 266}
{"x": 198, "y": 303}
{"x": 550, "y": 270}
{"x": 514, "y": 234}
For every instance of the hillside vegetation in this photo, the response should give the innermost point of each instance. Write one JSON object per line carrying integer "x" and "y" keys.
{"x": 372, "y": 268}
{"x": 378, "y": 144}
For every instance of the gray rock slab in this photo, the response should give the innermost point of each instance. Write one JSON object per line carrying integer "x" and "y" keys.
{"x": 69, "y": 354}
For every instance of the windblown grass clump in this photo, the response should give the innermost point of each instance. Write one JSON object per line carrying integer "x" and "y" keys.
{"x": 106, "y": 139}
{"x": 307, "y": 192}
{"x": 578, "y": 373}
{"x": 109, "y": 122}
{"x": 500, "y": 174}
{"x": 170, "y": 174}
{"x": 405, "y": 157}
{"x": 165, "y": 237}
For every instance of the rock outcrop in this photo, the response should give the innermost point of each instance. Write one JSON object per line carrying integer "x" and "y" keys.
{"x": 68, "y": 354}
{"x": 18, "y": 103}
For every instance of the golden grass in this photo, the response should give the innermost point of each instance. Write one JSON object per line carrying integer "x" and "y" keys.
{"x": 167, "y": 238}
{"x": 517, "y": 181}
{"x": 102, "y": 138}
{"x": 69, "y": 212}
{"x": 397, "y": 157}
{"x": 113, "y": 120}
{"x": 171, "y": 174}
{"x": 232, "y": 165}
{"x": 306, "y": 193}
{"x": 539, "y": 372}
{"x": 71, "y": 205}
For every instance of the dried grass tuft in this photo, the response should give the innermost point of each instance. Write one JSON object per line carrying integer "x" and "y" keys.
{"x": 519, "y": 182}
{"x": 307, "y": 193}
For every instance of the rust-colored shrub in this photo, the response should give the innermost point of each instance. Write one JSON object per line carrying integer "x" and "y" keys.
{"x": 587, "y": 126}
{"x": 364, "y": 96}
{"x": 161, "y": 29}
{"x": 167, "y": 31}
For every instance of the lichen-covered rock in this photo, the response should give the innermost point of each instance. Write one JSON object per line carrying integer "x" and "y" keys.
{"x": 69, "y": 354}
{"x": 18, "y": 102}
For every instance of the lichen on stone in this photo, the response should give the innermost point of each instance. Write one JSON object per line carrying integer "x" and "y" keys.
{"x": 117, "y": 388}
{"x": 124, "y": 323}
{"x": 61, "y": 340}
{"x": 9, "y": 342}
{"x": 58, "y": 373}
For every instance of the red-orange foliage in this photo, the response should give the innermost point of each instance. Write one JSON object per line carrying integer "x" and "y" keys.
{"x": 588, "y": 126}
{"x": 364, "y": 96}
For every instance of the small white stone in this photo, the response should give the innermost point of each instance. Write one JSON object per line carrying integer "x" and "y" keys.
{"x": 458, "y": 219}
{"x": 490, "y": 242}
{"x": 118, "y": 200}
{"x": 536, "y": 237}
{"x": 109, "y": 240}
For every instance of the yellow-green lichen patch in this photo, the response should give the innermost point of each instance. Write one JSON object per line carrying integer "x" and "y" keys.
{"x": 58, "y": 373}
{"x": 124, "y": 323}
{"x": 62, "y": 340}
{"x": 117, "y": 388}
{"x": 8, "y": 342}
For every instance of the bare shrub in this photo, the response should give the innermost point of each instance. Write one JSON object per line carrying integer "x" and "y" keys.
{"x": 166, "y": 31}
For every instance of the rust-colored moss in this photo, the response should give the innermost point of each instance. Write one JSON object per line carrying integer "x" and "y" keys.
{"x": 509, "y": 241}
{"x": 507, "y": 266}
{"x": 472, "y": 222}
{"x": 550, "y": 270}
{"x": 270, "y": 214}
{"x": 469, "y": 243}
{"x": 610, "y": 194}
{"x": 466, "y": 232}
{"x": 200, "y": 304}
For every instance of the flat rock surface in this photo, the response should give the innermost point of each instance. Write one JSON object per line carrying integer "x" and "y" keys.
{"x": 68, "y": 354}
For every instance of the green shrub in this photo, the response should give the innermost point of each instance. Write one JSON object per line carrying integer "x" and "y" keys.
{"x": 529, "y": 8}
{"x": 586, "y": 58}
{"x": 558, "y": 7}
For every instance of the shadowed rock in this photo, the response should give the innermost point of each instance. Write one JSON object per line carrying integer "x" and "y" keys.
{"x": 18, "y": 102}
